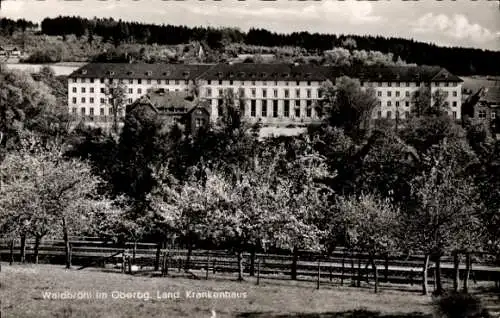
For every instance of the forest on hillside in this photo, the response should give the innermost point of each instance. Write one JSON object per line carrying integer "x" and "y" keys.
{"x": 461, "y": 61}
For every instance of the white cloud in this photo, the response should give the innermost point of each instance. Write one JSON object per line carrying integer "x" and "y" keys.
{"x": 457, "y": 27}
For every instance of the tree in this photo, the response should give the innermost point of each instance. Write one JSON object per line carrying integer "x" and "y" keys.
{"x": 444, "y": 212}
{"x": 347, "y": 105}
{"x": 425, "y": 103}
{"x": 65, "y": 191}
{"x": 372, "y": 225}
{"x": 117, "y": 94}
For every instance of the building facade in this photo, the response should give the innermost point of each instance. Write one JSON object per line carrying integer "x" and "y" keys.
{"x": 273, "y": 94}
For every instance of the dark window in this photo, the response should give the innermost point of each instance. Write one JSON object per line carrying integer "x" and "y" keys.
{"x": 275, "y": 108}
{"x": 253, "y": 108}
{"x": 264, "y": 108}
{"x": 286, "y": 110}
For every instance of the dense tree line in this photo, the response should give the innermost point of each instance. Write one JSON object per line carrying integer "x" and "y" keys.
{"x": 462, "y": 61}
{"x": 427, "y": 185}
{"x": 8, "y": 26}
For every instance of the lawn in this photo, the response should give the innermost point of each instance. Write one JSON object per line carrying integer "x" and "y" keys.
{"x": 25, "y": 288}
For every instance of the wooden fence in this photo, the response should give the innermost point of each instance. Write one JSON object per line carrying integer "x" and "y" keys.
{"x": 342, "y": 265}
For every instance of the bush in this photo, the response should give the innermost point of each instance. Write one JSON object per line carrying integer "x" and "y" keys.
{"x": 460, "y": 305}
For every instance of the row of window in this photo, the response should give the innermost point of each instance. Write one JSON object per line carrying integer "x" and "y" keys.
{"x": 482, "y": 114}
{"x": 131, "y": 81}
{"x": 253, "y": 93}
{"x": 408, "y": 84}
{"x": 273, "y": 105}
{"x": 407, "y": 94}
{"x": 398, "y": 114}
{"x": 104, "y": 91}
{"x": 407, "y": 103}
{"x": 83, "y": 100}
{"x": 102, "y": 111}
{"x": 254, "y": 83}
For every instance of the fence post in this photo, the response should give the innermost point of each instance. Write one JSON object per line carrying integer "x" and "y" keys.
{"x": 213, "y": 266}
{"x": 386, "y": 270}
{"x": 123, "y": 261}
{"x": 258, "y": 271}
{"x": 319, "y": 273}
{"x": 208, "y": 263}
{"x": 129, "y": 263}
{"x": 343, "y": 268}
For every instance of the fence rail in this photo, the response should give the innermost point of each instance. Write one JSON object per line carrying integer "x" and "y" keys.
{"x": 340, "y": 264}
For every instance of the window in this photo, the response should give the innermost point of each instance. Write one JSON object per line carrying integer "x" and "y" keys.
{"x": 275, "y": 93}
{"x": 397, "y": 93}
{"x": 131, "y": 81}
{"x": 82, "y": 111}
{"x": 407, "y": 104}
{"x": 389, "y": 84}
{"x": 254, "y": 92}
{"x": 102, "y": 101}
{"x": 221, "y": 92}
{"x": 309, "y": 112}
{"x": 407, "y": 114}
{"x": 446, "y": 84}
{"x": 91, "y": 100}
{"x": 286, "y": 110}
{"x": 455, "y": 93}
{"x": 129, "y": 100}
{"x": 74, "y": 89}
{"x": 148, "y": 81}
{"x": 139, "y": 81}
{"x": 275, "y": 83}
{"x": 219, "y": 107}
{"x": 253, "y": 108}
{"x": 389, "y": 114}
{"x": 231, "y": 82}
{"x": 102, "y": 90}
{"x": 264, "y": 108}
{"x": 455, "y": 115}
{"x": 73, "y": 110}
{"x": 397, "y": 104}
{"x": 74, "y": 80}
{"x": 102, "y": 111}
{"x": 83, "y": 89}
{"x": 308, "y": 93}
{"x": 139, "y": 91}
{"x": 397, "y": 114}
{"x": 482, "y": 114}
{"x": 275, "y": 108}
{"x": 407, "y": 84}
{"x": 379, "y": 94}
{"x": 74, "y": 100}
{"x": 297, "y": 112}
{"x": 297, "y": 93}
{"x": 454, "y": 104}
{"x": 91, "y": 89}
{"x": 91, "y": 111}
{"x": 253, "y": 83}
{"x": 398, "y": 84}
{"x": 264, "y": 93}
{"x": 308, "y": 83}
{"x": 389, "y": 103}
{"x": 83, "y": 100}
{"x": 493, "y": 115}
{"x": 209, "y": 92}
{"x": 379, "y": 114}
{"x": 176, "y": 82}
{"x": 198, "y": 122}
{"x": 102, "y": 80}
{"x": 287, "y": 93}
{"x": 389, "y": 94}
{"x": 220, "y": 82}
{"x": 407, "y": 94}
{"x": 297, "y": 83}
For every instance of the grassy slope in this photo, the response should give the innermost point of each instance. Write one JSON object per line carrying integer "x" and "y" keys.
{"x": 22, "y": 287}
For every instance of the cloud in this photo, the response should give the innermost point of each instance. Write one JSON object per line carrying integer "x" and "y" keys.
{"x": 457, "y": 27}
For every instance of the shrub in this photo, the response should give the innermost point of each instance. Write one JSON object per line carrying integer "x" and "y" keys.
{"x": 459, "y": 305}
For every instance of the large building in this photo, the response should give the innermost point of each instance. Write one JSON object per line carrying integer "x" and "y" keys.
{"x": 273, "y": 94}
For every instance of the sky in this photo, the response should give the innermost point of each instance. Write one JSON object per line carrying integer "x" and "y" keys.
{"x": 464, "y": 23}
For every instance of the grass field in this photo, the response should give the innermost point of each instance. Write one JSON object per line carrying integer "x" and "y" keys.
{"x": 23, "y": 287}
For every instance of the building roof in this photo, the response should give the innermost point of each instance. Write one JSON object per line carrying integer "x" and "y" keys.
{"x": 490, "y": 95}
{"x": 264, "y": 72}
{"x": 141, "y": 70}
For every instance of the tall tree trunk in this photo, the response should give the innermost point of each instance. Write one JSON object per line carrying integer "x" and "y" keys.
{"x": 240, "y": 265}
{"x": 467, "y": 272}
{"x": 134, "y": 251}
{"x": 425, "y": 286}
{"x": 252, "y": 261}
{"x": 439, "y": 286}
{"x": 67, "y": 247}
{"x": 456, "y": 269}
{"x": 23, "y": 248}
{"x": 295, "y": 257}
{"x": 358, "y": 281}
{"x": 158, "y": 255}
{"x": 36, "y": 248}
{"x": 375, "y": 273}
{"x": 11, "y": 260}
